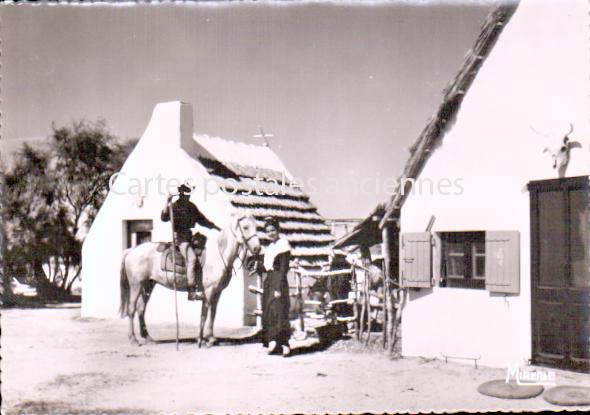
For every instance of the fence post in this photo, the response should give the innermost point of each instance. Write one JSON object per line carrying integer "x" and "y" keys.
{"x": 363, "y": 307}
{"x": 355, "y": 304}
{"x": 367, "y": 302}
{"x": 386, "y": 252}
{"x": 259, "y": 300}
{"x": 257, "y": 290}
{"x": 300, "y": 300}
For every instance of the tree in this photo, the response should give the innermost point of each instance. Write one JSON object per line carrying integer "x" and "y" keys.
{"x": 6, "y": 287}
{"x": 51, "y": 197}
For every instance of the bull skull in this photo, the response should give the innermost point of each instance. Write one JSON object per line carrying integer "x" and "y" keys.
{"x": 561, "y": 155}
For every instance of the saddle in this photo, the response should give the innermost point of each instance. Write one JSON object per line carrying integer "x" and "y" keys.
{"x": 167, "y": 259}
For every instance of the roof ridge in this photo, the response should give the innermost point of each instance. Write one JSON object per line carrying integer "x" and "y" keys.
{"x": 437, "y": 125}
{"x": 240, "y": 153}
{"x": 232, "y": 141}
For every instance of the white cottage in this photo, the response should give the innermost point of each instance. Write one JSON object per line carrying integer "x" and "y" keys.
{"x": 228, "y": 176}
{"x": 495, "y": 247}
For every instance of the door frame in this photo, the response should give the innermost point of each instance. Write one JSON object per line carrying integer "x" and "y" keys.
{"x": 132, "y": 226}
{"x": 536, "y": 187}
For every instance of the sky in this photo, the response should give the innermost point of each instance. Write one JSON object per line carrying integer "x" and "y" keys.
{"x": 345, "y": 88}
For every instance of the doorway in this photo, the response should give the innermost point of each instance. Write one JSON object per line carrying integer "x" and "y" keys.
{"x": 138, "y": 232}
{"x": 560, "y": 272}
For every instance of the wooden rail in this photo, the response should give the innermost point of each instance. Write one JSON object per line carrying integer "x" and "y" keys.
{"x": 364, "y": 309}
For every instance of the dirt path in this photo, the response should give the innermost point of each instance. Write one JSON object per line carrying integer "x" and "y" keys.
{"x": 55, "y": 362}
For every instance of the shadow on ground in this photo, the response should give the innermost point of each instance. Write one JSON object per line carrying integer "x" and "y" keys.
{"x": 59, "y": 407}
{"x": 24, "y": 302}
{"x": 310, "y": 345}
{"x": 219, "y": 341}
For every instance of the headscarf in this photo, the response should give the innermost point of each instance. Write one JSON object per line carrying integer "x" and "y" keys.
{"x": 280, "y": 246}
{"x": 275, "y": 248}
{"x": 272, "y": 221}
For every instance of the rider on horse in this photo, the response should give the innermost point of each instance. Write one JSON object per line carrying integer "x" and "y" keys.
{"x": 186, "y": 214}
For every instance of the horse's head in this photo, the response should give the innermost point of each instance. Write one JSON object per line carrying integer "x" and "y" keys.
{"x": 244, "y": 228}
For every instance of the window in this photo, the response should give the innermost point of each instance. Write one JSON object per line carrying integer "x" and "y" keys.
{"x": 485, "y": 259}
{"x": 463, "y": 259}
{"x": 138, "y": 232}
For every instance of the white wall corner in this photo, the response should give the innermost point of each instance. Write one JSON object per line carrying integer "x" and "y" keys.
{"x": 186, "y": 124}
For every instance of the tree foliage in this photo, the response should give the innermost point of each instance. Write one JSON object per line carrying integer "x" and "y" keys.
{"x": 51, "y": 195}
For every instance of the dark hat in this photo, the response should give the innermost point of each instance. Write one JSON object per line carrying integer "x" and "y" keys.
{"x": 184, "y": 189}
{"x": 271, "y": 221}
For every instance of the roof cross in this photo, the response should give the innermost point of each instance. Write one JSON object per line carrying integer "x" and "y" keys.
{"x": 264, "y": 136}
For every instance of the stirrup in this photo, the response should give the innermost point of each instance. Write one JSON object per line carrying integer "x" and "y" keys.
{"x": 196, "y": 295}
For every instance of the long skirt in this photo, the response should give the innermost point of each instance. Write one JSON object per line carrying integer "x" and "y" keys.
{"x": 275, "y": 316}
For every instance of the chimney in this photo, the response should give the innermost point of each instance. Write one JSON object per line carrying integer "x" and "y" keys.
{"x": 172, "y": 125}
{"x": 186, "y": 126}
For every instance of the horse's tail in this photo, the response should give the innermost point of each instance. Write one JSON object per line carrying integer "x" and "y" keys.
{"x": 124, "y": 285}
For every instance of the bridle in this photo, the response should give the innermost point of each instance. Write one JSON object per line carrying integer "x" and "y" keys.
{"x": 243, "y": 238}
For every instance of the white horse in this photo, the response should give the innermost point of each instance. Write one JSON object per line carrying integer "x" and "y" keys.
{"x": 141, "y": 270}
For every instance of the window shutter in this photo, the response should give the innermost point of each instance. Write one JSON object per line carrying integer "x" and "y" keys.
{"x": 416, "y": 258}
{"x": 503, "y": 262}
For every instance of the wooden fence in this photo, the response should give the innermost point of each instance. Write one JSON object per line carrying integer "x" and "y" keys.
{"x": 366, "y": 306}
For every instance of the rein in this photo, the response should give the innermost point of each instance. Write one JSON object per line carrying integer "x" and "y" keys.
{"x": 244, "y": 241}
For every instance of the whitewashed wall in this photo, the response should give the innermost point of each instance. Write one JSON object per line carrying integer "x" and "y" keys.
{"x": 536, "y": 78}
{"x": 158, "y": 152}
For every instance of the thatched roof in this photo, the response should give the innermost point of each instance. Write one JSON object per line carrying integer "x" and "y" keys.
{"x": 431, "y": 136}
{"x": 366, "y": 233}
{"x": 262, "y": 186}
{"x": 245, "y": 158}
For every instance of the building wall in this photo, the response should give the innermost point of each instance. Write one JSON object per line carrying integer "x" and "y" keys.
{"x": 159, "y": 154}
{"x": 341, "y": 227}
{"x": 534, "y": 83}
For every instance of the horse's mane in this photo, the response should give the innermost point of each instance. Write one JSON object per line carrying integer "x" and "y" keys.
{"x": 222, "y": 239}
{"x": 222, "y": 236}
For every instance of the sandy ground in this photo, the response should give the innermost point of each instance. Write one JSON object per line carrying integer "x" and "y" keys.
{"x": 55, "y": 362}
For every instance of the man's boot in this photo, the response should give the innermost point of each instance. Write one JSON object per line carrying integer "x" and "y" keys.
{"x": 195, "y": 295}
{"x": 199, "y": 291}
{"x": 195, "y": 292}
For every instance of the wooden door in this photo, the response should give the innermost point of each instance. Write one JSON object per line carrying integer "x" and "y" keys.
{"x": 560, "y": 272}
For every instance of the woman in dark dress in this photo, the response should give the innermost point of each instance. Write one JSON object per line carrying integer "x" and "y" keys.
{"x": 276, "y": 329}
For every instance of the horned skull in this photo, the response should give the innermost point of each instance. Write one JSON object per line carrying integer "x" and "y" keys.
{"x": 561, "y": 155}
